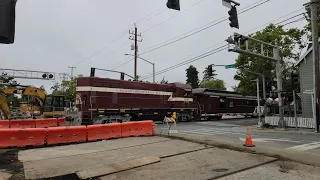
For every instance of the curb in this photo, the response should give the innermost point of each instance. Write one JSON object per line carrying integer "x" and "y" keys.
{"x": 280, "y": 154}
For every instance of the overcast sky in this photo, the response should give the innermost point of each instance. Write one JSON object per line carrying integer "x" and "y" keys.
{"x": 54, "y": 34}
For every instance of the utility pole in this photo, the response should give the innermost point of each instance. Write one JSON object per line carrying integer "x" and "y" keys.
{"x": 71, "y": 67}
{"x": 315, "y": 43}
{"x": 134, "y": 37}
{"x": 64, "y": 77}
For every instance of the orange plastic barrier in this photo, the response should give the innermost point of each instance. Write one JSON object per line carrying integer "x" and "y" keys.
{"x": 60, "y": 135}
{"x": 61, "y": 122}
{"x": 104, "y": 131}
{"x": 4, "y": 124}
{"x": 43, "y": 123}
{"x": 21, "y": 123}
{"x": 22, "y": 137}
{"x": 141, "y": 128}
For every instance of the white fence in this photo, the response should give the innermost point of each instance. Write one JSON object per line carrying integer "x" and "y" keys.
{"x": 290, "y": 121}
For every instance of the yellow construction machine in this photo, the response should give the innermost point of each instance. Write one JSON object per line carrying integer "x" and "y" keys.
{"x": 49, "y": 105}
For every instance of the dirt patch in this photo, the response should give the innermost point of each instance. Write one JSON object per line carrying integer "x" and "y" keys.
{"x": 286, "y": 166}
{"x": 9, "y": 162}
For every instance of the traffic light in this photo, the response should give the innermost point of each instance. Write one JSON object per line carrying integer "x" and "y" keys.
{"x": 122, "y": 76}
{"x": 7, "y": 21}
{"x": 92, "y": 72}
{"x": 210, "y": 70}
{"x": 174, "y": 4}
{"x": 233, "y": 17}
{"x": 295, "y": 80}
{"x": 268, "y": 87}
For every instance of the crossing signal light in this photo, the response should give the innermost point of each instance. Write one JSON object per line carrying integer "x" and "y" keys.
{"x": 47, "y": 76}
{"x": 7, "y": 21}
{"x": 122, "y": 76}
{"x": 233, "y": 17}
{"x": 92, "y": 72}
{"x": 295, "y": 80}
{"x": 210, "y": 70}
{"x": 174, "y": 4}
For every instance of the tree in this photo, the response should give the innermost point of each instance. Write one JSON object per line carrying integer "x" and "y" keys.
{"x": 307, "y": 16}
{"x": 216, "y": 84}
{"x": 67, "y": 89}
{"x": 163, "y": 81}
{"x": 290, "y": 42}
{"x": 192, "y": 76}
{"x": 206, "y": 76}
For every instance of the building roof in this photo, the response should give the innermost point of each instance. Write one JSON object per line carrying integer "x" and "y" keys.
{"x": 309, "y": 50}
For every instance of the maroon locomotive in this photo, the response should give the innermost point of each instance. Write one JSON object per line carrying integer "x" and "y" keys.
{"x": 213, "y": 104}
{"x": 102, "y": 100}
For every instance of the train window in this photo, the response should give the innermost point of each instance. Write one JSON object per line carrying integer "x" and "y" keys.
{"x": 222, "y": 104}
{"x": 231, "y": 104}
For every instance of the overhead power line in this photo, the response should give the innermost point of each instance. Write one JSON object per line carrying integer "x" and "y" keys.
{"x": 202, "y": 28}
{"x": 216, "y": 50}
{"x": 173, "y": 16}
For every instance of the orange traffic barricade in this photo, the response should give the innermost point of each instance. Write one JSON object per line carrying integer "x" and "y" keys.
{"x": 23, "y": 123}
{"x": 104, "y": 131}
{"x": 22, "y": 137}
{"x": 141, "y": 128}
{"x": 4, "y": 124}
{"x": 61, "y": 121}
{"x": 61, "y": 135}
{"x": 43, "y": 123}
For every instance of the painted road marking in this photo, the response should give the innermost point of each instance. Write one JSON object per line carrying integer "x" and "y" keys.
{"x": 269, "y": 139}
{"x": 212, "y": 131}
{"x": 305, "y": 147}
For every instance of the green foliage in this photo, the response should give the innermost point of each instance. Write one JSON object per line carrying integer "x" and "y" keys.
{"x": 290, "y": 42}
{"x": 216, "y": 84}
{"x": 192, "y": 76}
{"x": 307, "y": 15}
{"x": 67, "y": 89}
{"x": 163, "y": 81}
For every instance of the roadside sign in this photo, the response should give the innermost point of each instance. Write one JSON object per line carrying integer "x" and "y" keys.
{"x": 229, "y": 66}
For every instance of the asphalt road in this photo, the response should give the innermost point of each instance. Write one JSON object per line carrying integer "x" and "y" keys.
{"x": 235, "y": 128}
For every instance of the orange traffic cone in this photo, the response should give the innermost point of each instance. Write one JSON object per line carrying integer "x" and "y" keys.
{"x": 248, "y": 142}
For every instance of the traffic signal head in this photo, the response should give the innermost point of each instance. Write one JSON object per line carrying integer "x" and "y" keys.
{"x": 92, "y": 72}
{"x": 122, "y": 76}
{"x": 295, "y": 80}
{"x": 174, "y": 4}
{"x": 233, "y": 17}
{"x": 210, "y": 70}
{"x": 268, "y": 87}
{"x": 7, "y": 21}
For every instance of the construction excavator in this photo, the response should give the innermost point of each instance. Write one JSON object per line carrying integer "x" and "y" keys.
{"x": 50, "y": 105}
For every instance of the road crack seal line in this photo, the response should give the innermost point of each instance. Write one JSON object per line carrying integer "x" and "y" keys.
{"x": 244, "y": 169}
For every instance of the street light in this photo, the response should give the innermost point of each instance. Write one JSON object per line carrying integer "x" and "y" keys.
{"x": 154, "y": 75}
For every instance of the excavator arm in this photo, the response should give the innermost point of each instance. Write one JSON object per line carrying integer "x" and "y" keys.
{"x": 37, "y": 93}
{"x": 4, "y": 106}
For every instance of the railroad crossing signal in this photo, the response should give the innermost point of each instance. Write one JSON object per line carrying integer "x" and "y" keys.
{"x": 7, "y": 22}
{"x": 233, "y": 17}
{"x": 47, "y": 76}
{"x": 92, "y": 72}
{"x": 174, "y": 4}
{"x": 210, "y": 70}
{"x": 122, "y": 76}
